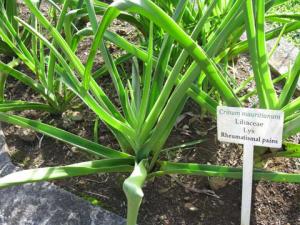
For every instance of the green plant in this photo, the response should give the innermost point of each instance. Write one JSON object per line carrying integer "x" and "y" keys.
{"x": 219, "y": 47}
{"x": 23, "y": 49}
{"x": 29, "y": 50}
{"x": 287, "y": 11}
{"x": 11, "y": 11}
{"x": 150, "y": 104}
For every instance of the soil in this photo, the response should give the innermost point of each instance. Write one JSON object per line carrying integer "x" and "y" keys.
{"x": 169, "y": 200}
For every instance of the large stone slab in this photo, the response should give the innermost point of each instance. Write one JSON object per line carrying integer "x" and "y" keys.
{"x": 284, "y": 56}
{"x": 46, "y": 204}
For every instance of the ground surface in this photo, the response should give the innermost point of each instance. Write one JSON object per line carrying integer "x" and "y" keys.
{"x": 176, "y": 200}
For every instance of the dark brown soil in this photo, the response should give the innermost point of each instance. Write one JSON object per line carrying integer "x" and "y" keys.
{"x": 169, "y": 200}
{"x": 173, "y": 200}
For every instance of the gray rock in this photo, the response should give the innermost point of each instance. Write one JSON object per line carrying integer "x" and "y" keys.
{"x": 284, "y": 56}
{"x": 46, "y": 204}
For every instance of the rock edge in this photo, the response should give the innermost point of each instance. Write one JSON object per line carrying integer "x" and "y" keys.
{"x": 46, "y": 204}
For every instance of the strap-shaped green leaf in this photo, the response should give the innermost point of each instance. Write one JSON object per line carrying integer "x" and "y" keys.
{"x": 133, "y": 189}
{"x": 75, "y": 61}
{"x": 64, "y": 136}
{"x": 243, "y": 46}
{"x": 59, "y": 172}
{"x": 222, "y": 171}
{"x": 257, "y": 48}
{"x": 159, "y": 17}
{"x": 283, "y": 17}
{"x": 73, "y": 83}
{"x": 27, "y": 81}
{"x": 292, "y": 107}
{"x": 21, "y": 105}
{"x": 291, "y": 84}
{"x": 291, "y": 127}
{"x": 52, "y": 60}
{"x": 165, "y": 54}
{"x": 291, "y": 150}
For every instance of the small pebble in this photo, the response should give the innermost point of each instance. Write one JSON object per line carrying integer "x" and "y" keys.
{"x": 190, "y": 206}
{"x": 73, "y": 115}
{"x": 217, "y": 183}
{"x": 26, "y": 134}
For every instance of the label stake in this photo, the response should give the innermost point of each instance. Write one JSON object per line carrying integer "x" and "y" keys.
{"x": 250, "y": 127}
{"x": 247, "y": 183}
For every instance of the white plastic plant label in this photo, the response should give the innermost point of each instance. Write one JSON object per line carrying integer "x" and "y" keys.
{"x": 258, "y": 127}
